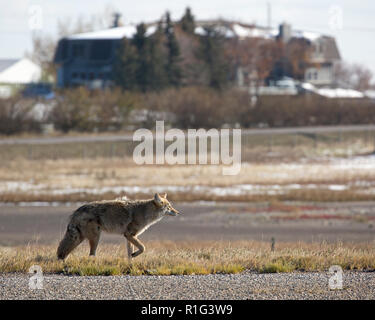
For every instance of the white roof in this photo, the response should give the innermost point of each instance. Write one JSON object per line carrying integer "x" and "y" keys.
{"x": 21, "y": 72}
{"x": 223, "y": 30}
{"x": 200, "y": 31}
{"x": 243, "y": 31}
{"x": 112, "y": 33}
{"x": 228, "y": 30}
{"x": 252, "y": 32}
{"x": 312, "y": 36}
{"x": 237, "y": 30}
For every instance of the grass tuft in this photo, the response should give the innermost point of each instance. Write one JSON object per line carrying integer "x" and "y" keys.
{"x": 188, "y": 258}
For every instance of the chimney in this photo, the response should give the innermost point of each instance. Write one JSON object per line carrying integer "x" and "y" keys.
{"x": 116, "y": 20}
{"x": 285, "y": 32}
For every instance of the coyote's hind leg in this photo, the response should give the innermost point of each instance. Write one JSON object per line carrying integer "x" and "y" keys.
{"x": 93, "y": 235}
{"x": 94, "y": 241}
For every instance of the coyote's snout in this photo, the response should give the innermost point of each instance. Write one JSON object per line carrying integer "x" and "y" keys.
{"x": 126, "y": 217}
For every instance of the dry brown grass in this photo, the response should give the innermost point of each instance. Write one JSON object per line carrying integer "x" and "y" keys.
{"x": 90, "y": 172}
{"x": 45, "y": 176}
{"x": 166, "y": 258}
{"x": 255, "y": 147}
{"x": 54, "y": 172}
{"x": 299, "y": 195}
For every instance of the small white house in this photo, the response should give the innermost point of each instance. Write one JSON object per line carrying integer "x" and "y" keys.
{"x": 15, "y": 73}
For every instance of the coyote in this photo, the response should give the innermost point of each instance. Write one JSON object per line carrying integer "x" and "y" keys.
{"x": 126, "y": 217}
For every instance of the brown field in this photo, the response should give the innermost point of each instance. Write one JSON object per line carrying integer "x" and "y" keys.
{"x": 321, "y": 166}
{"x": 322, "y": 179}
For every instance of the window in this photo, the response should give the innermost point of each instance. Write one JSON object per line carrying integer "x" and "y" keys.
{"x": 62, "y": 51}
{"x": 78, "y": 50}
{"x": 101, "y": 50}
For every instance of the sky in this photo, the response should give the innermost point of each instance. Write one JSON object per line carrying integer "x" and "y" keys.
{"x": 351, "y": 22}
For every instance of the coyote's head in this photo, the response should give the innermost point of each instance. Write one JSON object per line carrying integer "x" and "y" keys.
{"x": 165, "y": 205}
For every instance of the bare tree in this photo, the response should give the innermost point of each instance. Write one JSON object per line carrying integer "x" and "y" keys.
{"x": 362, "y": 77}
{"x": 44, "y": 47}
{"x": 268, "y": 52}
{"x": 341, "y": 74}
{"x": 355, "y": 76}
{"x": 255, "y": 56}
{"x": 298, "y": 52}
{"x": 16, "y": 116}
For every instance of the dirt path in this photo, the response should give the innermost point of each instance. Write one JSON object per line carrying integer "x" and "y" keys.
{"x": 129, "y": 136}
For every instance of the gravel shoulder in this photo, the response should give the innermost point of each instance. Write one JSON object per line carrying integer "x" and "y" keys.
{"x": 247, "y": 285}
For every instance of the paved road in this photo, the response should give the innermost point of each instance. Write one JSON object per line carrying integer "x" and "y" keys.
{"x": 202, "y": 221}
{"x": 248, "y": 285}
{"x": 129, "y": 136}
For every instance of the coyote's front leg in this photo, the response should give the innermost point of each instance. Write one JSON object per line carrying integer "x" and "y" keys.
{"x": 137, "y": 243}
{"x": 130, "y": 249}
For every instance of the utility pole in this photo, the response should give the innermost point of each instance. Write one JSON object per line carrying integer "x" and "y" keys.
{"x": 269, "y": 21}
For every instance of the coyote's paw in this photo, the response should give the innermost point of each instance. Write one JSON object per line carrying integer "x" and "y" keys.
{"x": 137, "y": 253}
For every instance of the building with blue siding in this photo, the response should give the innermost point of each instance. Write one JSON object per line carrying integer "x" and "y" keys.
{"x": 88, "y": 58}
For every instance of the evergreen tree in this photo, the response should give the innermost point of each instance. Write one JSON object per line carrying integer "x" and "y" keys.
{"x": 211, "y": 52}
{"x": 187, "y": 22}
{"x": 157, "y": 60}
{"x": 173, "y": 70}
{"x": 141, "y": 44}
{"x": 153, "y": 62}
{"x": 125, "y": 68}
{"x": 141, "y": 62}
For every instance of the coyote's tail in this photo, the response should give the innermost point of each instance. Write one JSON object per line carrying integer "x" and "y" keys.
{"x": 71, "y": 240}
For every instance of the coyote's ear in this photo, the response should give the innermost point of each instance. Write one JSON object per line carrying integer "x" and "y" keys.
{"x": 157, "y": 199}
{"x": 165, "y": 196}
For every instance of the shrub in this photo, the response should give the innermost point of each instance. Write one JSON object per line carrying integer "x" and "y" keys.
{"x": 310, "y": 110}
{"x": 84, "y": 110}
{"x": 16, "y": 116}
{"x": 195, "y": 107}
